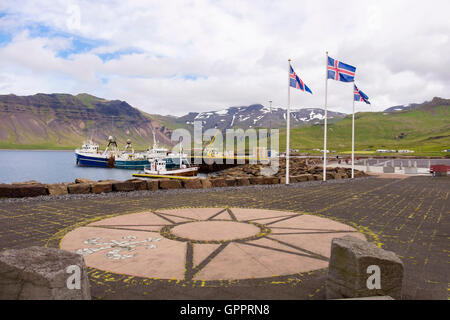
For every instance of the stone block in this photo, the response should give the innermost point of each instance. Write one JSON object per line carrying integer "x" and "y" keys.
{"x": 256, "y": 180}
{"x": 271, "y": 180}
{"x": 22, "y": 190}
{"x": 152, "y": 184}
{"x": 80, "y": 188}
{"x": 39, "y": 273}
{"x": 123, "y": 186}
{"x": 192, "y": 184}
{"x": 84, "y": 180}
{"x": 138, "y": 184}
{"x": 169, "y": 184}
{"x": 101, "y": 187}
{"x": 231, "y": 182}
{"x": 206, "y": 183}
{"x": 56, "y": 189}
{"x": 242, "y": 182}
{"x": 219, "y": 182}
{"x": 348, "y": 270}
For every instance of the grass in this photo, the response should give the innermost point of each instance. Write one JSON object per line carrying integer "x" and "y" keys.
{"x": 425, "y": 132}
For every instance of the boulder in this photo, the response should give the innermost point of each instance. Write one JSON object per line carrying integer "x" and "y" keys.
{"x": 123, "y": 186}
{"x": 242, "y": 182}
{"x": 84, "y": 180}
{"x": 169, "y": 184}
{"x": 56, "y": 189}
{"x": 318, "y": 177}
{"x": 79, "y": 188}
{"x": 348, "y": 273}
{"x": 39, "y": 273}
{"x": 139, "y": 184}
{"x": 192, "y": 184}
{"x": 206, "y": 183}
{"x": 101, "y": 187}
{"x": 256, "y": 180}
{"x": 152, "y": 184}
{"x": 22, "y": 190}
{"x": 336, "y": 175}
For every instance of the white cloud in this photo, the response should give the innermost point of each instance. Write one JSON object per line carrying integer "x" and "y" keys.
{"x": 237, "y": 50}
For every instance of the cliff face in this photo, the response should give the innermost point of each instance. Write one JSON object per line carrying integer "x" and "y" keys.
{"x": 65, "y": 121}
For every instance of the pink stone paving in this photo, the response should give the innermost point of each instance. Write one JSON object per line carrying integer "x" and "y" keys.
{"x": 135, "y": 244}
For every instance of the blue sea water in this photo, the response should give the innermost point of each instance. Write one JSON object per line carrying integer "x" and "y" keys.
{"x": 51, "y": 167}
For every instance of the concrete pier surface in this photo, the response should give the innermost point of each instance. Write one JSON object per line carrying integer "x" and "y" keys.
{"x": 277, "y": 246}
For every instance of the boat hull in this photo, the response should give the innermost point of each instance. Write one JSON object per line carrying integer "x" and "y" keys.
{"x": 94, "y": 161}
{"x": 186, "y": 172}
{"x": 132, "y": 164}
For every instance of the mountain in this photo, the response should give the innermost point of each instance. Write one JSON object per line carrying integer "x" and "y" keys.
{"x": 424, "y": 129}
{"x": 427, "y": 104}
{"x": 257, "y": 115}
{"x": 50, "y": 121}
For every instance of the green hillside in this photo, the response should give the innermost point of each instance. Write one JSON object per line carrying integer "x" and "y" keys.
{"x": 425, "y": 130}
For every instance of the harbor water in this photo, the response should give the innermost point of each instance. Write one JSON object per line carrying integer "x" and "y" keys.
{"x": 51, "y": 167}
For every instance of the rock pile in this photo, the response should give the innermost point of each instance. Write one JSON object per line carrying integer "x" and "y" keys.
{"x": 297, "y": 167}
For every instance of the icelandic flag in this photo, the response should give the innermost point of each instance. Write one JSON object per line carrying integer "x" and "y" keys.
{"x": 296, "y": 82}
{"x": 340, "y": 71}
{"x": 360, "y": 96}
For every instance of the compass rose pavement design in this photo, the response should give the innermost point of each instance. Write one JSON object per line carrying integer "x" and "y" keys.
{"x": 208, "y": 243}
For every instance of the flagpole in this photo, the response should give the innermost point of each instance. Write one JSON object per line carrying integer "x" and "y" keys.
{"x": 353, "y": 133}
{"x": 288, "y": 121}
{"x": 325, "y": 124}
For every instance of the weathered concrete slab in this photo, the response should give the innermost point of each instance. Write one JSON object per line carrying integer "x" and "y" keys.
{"x": 206, "y": 183}
{"x": 349, "y": 272}
{"x": 79, "y": 188}
{"x": 169, "y": 184}
{"x": 152, "y": 184}
{"x": 123, "y": 186}
{"x": 22, "y": 190}
{"x": 138, "y": 184}
{"x": 101, "y": 187}
{"x": 192, "y": 184}
{"x": 41, "y": 273}
{"x": 242, "y": 182}
{"x": 220, "y": 182}
{"x": 84, "y": 180}
{"x": 57, "y": 189}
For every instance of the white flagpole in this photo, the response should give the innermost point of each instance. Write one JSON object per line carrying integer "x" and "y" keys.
{"x": 325, "y": 125}
{"x": 353, "y": 133}
{"x": 288, "y": 121}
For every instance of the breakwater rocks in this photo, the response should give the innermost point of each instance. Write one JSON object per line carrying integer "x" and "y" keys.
{"x": 299, "y": 170}
{"x": 86, "y": 186}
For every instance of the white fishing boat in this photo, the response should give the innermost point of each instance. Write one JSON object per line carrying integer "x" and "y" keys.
{"x": 159, "y": 167}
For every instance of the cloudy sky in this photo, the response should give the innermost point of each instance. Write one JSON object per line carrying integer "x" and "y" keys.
{"x": 172, "y": 57}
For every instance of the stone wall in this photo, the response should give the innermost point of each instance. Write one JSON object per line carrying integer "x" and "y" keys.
{"x": 85, "y": 186}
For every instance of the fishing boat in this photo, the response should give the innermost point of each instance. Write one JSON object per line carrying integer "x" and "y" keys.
{"x": 89, "y": 154}
{"x": 178, "y": 166}
{"x": 128, "y": 159}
